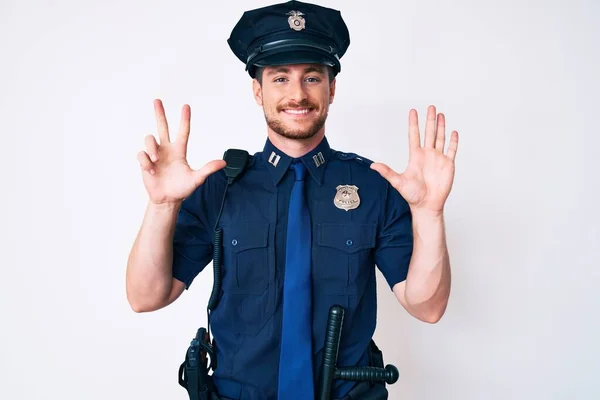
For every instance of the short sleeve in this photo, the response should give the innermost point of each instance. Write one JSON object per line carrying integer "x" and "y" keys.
{"x": 395, "y": 238}
{"x": 192, "y": 239}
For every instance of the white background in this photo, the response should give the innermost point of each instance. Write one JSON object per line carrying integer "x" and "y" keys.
{"x": 518, "y": 80}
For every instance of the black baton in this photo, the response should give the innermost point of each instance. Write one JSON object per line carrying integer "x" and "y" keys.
{"x": 329, "y": 371}
{"x": 330, "y": 351}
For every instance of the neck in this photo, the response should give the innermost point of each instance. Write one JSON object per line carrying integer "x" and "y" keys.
{"x": 295, "y": 148}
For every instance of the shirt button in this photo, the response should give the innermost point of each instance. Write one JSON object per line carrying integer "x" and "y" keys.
{"x": 234, "y": 242}
{"x": 349, "y": 242}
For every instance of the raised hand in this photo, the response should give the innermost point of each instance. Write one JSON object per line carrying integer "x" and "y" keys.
{"x": 428, "y": 178}
{"x": 167, "y": 176}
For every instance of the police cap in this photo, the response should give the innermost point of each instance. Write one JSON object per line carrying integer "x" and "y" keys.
{"x": 290, "y": 33}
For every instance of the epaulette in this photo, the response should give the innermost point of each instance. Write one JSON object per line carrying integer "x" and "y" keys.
{"x": 351, "y": 156}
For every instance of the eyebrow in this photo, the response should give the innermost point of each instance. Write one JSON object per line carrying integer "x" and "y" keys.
{"x": 314, "y": 69}
{"x": 286, "y": 70}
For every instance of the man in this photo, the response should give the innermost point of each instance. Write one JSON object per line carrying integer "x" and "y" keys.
{"x": 303, "y": 227}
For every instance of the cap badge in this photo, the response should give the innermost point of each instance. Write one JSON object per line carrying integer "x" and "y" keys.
{"x": 295, "y": 20}
{"x": 346, "y": 197}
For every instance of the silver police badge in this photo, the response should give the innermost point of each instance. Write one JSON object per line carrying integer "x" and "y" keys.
{"x": 346, "y": 197}
{"x": 295, "y": 20}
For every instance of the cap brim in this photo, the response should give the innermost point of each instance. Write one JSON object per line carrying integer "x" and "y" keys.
{"x": 294, "y": 57}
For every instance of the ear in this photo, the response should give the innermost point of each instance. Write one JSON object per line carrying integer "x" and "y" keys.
{"x": 257, "y": 90}
{"x": 332, "y": 90}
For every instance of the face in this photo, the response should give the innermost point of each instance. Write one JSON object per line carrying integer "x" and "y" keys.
{"x": 295, "y": 99}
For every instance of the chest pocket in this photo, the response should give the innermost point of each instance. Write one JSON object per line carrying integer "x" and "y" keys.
{"x": 248, "y": 292}
{"x": 247, "y": 266}
{"x": 342, "y": 256}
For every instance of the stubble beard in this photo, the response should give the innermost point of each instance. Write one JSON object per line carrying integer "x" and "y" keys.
{"x": 279, "y": 127}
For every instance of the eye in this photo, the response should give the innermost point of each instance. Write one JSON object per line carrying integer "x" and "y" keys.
{"x": 279, "y": 80}
{"x": 313, "y": 79}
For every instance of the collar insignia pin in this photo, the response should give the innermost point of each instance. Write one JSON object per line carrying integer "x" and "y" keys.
{"x": 274, "y": 159}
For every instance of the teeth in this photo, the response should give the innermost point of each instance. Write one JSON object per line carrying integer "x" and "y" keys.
{"x": 304, "y": 111}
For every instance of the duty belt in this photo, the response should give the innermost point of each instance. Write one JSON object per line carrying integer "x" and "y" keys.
{"x": 194, "y": 371}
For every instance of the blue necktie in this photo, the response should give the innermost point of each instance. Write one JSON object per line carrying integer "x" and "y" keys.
{"x": 296, "y": 365}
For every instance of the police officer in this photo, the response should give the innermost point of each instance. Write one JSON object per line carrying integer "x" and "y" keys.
{"x": 304, "y": 226}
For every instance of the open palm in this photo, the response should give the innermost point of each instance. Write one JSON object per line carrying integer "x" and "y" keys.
{"x": 429, "y": 175}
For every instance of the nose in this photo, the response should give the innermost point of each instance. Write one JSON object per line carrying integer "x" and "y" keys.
{"x": 297, "y": 91}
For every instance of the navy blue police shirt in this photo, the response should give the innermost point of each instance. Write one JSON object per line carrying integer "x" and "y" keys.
{"x": 347, "y": 245}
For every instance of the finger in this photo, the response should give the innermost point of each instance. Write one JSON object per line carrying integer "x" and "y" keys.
{"x": 453, "y": 146}
{"x": 209, "y": 168}
{"x": 184, "y": 125}
{"x": 145, "y": 162}
{"x": 161, "y": 121}
{"x": 440, "y": 136}
{"x": 387, "y": 173}
{"x": 414, "y": 139}
{"x": 430, "y": 127}
{"x": 151, "y": 147}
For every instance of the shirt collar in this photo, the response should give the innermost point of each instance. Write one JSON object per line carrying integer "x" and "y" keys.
{"x": 278, "y": 162}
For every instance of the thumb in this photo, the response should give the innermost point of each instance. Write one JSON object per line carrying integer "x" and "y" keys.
{"x": 388, "y": 174}
{"x": 209, "y": 168}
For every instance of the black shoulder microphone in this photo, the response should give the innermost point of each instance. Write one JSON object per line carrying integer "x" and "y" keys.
{"x": 236, "y": 162}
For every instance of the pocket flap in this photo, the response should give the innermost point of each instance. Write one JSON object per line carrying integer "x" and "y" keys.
{"x": 245, "y": 235}
{"x": 349, "y": 238}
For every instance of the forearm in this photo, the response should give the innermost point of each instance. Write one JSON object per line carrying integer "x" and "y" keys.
{"x": 149, "y": 268}
{"x": 428, "y": 282}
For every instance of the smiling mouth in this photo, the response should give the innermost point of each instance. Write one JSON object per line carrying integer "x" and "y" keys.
{"x": 297, "y": 111}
